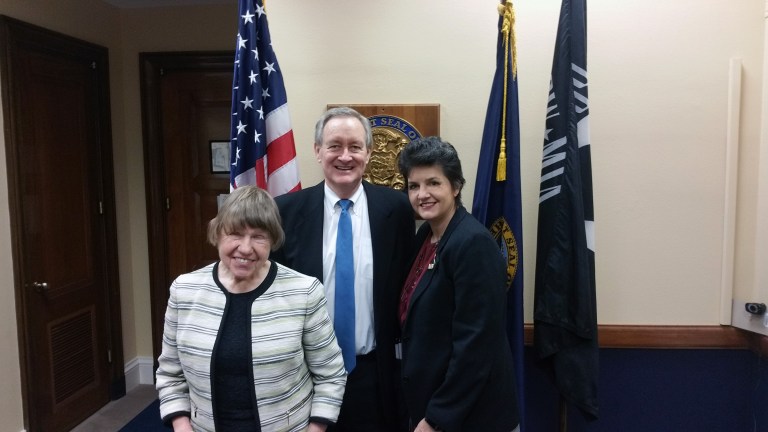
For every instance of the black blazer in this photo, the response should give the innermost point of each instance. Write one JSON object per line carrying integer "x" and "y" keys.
{"x": 392, "y": 232}
{"x": 457, "y": 363}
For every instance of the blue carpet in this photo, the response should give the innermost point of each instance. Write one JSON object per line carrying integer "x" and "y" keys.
{"x": 148, "y": 420}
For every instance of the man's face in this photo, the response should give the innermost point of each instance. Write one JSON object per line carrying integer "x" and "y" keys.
{"x": 343, "y": 154}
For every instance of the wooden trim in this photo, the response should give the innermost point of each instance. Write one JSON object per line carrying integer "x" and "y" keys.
{"x": 759, "y": 344}
{"x": 153, "y": 67}
{"x": 674, "y": 337}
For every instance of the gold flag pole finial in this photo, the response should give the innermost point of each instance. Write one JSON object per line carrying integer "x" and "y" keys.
{"x": 508, "y": 36}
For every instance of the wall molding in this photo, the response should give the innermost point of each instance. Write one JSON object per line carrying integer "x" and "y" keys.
{"x": 139, "y": 370}
{"x": 674, "y": 337}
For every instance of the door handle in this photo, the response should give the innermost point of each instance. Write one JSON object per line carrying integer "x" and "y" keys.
{"x": 40, "y": 286}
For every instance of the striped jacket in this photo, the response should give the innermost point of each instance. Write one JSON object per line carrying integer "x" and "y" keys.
{"x": 298, "y": 369}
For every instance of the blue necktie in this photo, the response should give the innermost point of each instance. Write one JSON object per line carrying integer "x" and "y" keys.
{"x": 344, "y": 311}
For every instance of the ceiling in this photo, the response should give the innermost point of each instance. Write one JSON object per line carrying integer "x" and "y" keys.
{"x": 127, "y": 4}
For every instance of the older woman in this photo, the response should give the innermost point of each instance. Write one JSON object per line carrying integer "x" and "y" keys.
{"x": 457, "y": 369}
{"x": 247, "y": 344}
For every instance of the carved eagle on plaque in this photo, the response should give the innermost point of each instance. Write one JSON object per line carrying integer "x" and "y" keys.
{"x": 390, "y": 135}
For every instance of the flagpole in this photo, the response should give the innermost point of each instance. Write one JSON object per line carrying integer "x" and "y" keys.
{"x": 563, "y": 414}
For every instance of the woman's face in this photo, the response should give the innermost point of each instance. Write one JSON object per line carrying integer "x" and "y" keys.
{"x": 244, "y": 253}
{"x": 431, "y": 194}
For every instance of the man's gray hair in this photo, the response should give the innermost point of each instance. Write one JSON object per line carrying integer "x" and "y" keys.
{"x": 342, "y": 112}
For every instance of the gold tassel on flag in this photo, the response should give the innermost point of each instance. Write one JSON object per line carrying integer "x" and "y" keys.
{"x": 508, "y": 29}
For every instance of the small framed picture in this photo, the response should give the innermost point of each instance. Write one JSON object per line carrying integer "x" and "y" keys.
{"x": 219, "y": 157}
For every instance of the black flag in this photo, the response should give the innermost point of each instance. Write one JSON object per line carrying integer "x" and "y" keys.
{"x": 565, "y": 316}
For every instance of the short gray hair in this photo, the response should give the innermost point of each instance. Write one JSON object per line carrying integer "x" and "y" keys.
{"x": 247, "y": 207}
{"x": 342, "y": 112}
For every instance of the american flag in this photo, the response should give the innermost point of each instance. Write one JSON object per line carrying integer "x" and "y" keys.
{"x": 262, "y": 150}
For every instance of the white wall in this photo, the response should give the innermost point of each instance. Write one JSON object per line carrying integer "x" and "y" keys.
{"x": 658, "y": 76}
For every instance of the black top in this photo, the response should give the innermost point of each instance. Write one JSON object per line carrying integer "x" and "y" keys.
{"x": 232, "y": 369}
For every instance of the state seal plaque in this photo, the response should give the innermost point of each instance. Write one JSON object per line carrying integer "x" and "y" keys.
{"x": 390, "y": 135}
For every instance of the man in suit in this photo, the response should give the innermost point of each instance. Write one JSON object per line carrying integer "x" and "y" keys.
{"x": 382, "y": 231}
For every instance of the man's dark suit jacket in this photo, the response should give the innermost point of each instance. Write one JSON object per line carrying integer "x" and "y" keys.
{"x": 457, "y": 363}
{"x": 392, "y": 232}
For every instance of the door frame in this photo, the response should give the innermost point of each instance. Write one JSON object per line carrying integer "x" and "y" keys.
{"x": 12, "y": 30}
{"x": 153, "y": 67}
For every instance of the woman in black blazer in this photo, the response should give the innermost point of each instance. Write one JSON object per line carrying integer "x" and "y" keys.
{"x": 457, "y": 370}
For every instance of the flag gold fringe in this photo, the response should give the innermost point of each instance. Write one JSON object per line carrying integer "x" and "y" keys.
{"x": 508, "y": 31}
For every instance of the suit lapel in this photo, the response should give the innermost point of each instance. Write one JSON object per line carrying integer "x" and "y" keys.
{"x": 421, "y": 237}
{"x": 379, "y": 215}
{"x": 309, "y": 227}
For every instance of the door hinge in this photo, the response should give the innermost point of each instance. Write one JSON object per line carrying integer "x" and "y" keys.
{"x": 167, "y": 203}
{"x": 109, "y": 356}
{"x": 93, "y": 65}
{"x": 101, "y": 207}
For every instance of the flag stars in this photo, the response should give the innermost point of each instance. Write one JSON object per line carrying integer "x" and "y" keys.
{"x": 253, "y": 78}
{"x": 248, "y": 17}
{"x": 247, "y": 103}
{"x": 237, "y": 157}
{"x": 240, "y": 127}
{"x": 270, "y": 67}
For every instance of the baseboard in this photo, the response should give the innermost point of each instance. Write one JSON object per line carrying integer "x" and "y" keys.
{"x": 667, "y": 337}
{"x": 139, "y": 370}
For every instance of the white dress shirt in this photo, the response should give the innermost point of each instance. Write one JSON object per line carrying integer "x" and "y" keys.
{"x": 362, "y": 253}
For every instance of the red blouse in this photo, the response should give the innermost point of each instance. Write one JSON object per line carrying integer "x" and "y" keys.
{"x": 425, "y": 257}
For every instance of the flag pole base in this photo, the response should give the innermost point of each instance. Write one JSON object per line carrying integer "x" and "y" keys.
{"x": 563, "y": 415}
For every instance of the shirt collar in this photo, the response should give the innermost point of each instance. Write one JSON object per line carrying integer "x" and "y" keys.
{"x": 331, "y": 198}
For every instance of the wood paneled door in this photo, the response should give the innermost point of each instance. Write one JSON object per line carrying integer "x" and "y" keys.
{"x": 186, "y": 111}
{"x": 58, "y": 143}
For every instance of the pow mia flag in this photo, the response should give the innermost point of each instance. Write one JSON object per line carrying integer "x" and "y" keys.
{"x": 565, "y": 317}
